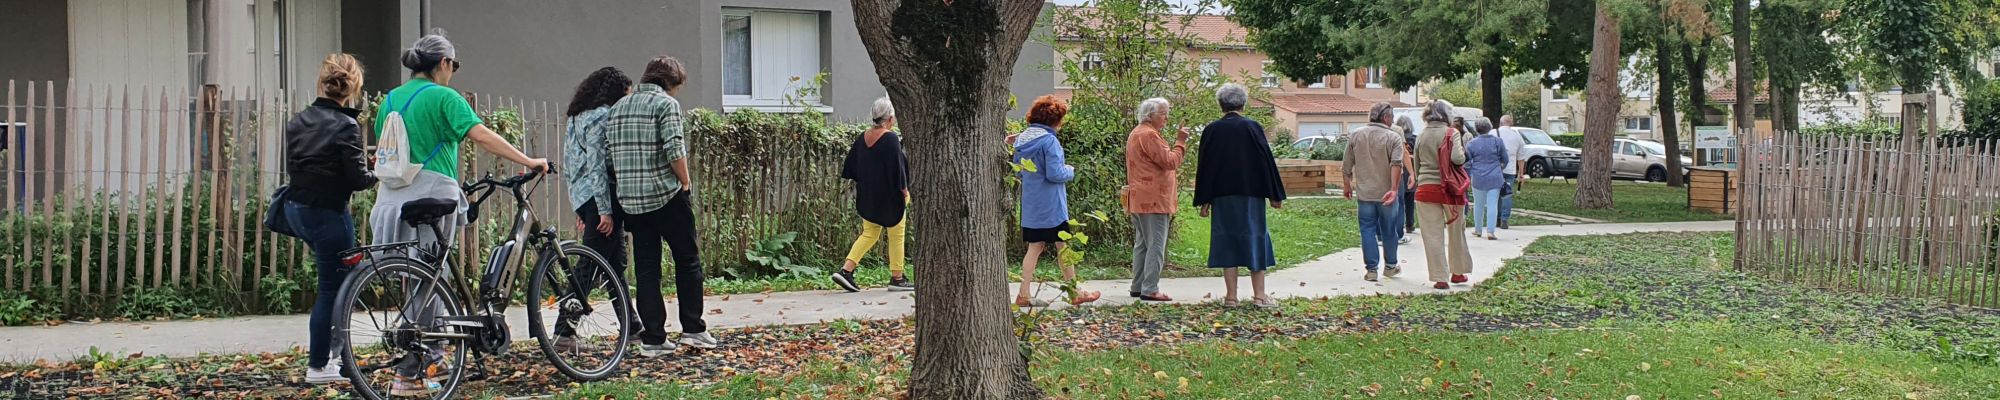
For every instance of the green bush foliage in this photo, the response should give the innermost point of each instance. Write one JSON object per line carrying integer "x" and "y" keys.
{"x": 1106, "y": 95}
{"x": 760, "y": 176}
{"x": 22, "y": 309}
{"x": 1572, "y": 139}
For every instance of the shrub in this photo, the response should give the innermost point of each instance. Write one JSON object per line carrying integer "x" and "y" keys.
{"x": 1571, "y": 140}
{"x": 21, "y": 309}
{"x": 763, "y": 175}
{"x": 141, "y": 304}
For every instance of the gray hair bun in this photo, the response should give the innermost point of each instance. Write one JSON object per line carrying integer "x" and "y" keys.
{"x": 428, "y": 51}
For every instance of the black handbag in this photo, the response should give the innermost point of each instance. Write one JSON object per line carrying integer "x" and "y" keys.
{"x": 275, "y": 219}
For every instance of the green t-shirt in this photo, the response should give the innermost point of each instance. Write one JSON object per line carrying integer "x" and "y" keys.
{"x": 437, "y": 120}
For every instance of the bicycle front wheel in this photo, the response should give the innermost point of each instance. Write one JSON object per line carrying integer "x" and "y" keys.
{"x": 395, "y": 342}
{"x": 580, "y": 312}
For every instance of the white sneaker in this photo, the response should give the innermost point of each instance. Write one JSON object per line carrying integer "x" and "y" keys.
{"x": 324, "y": 375}
{"x": 699, "y": 340}
{"x": 657, "y": 350}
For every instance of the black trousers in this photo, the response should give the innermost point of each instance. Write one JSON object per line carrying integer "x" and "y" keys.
{"x": 611, "y": 246}
{"x": 673, "y": 225}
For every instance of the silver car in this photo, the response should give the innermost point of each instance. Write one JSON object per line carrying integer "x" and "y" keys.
{"x": 1642, "y": 160}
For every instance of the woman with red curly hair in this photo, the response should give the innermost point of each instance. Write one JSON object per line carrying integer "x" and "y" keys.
{"x": 1044, "y": 195}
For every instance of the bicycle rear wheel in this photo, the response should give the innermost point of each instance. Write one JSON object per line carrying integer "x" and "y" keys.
{"x": 580, "y": 313}
{"x": 394, "y": 341}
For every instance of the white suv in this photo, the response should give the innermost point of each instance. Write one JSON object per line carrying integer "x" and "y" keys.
{"x": 1546, "y": 158}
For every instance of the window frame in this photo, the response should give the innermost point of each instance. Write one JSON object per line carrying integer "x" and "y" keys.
{"x": 1629, "y": 122}
{"x": 750, "y": 53}
{"x": 816, "y": 103}
{"x": 1211, "y": 71}
{"x": 1270, "y": 79}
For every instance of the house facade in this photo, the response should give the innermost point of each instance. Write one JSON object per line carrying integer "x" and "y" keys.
{"x": 1563, "y": 110}
{"x": 1305, "y": 107}
{"x": 740, "y": 54}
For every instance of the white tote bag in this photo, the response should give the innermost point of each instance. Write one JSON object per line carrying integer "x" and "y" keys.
{"x": 393, "y": 165}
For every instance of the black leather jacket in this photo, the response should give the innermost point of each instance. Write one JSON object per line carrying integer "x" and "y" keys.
{"x": 323, "y": 156}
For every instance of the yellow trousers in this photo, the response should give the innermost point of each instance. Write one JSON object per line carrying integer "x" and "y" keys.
{"x": 870, "y": 232}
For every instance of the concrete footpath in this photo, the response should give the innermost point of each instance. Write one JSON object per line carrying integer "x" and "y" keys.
{"x": 1337, "y": 274}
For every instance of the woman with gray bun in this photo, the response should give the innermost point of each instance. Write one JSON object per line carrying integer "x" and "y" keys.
{"x": 437, "y": 119}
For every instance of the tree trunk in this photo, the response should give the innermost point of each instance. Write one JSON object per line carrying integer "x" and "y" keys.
{"x": 1746, "y": 92}
{"x": 1694, "y": 60}
{"x": 1784, "y": 105}
{"x": 1593, "y": 191}
{"x": 947, "y": 65}
{"x": 1669, "y": 129}
{"x": 1490, "y": 90}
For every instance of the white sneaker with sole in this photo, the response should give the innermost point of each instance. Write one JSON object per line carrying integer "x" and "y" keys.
{"x": 657, "y": 350}
{"x": 699, "y": 340}
{"x": 324, "y": 375}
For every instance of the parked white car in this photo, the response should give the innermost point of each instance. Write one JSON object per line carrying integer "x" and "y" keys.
{"x": 1547, "y": 158}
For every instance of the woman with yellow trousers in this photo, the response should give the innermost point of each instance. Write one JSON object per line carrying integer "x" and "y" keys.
{"x": 880, "y": 171}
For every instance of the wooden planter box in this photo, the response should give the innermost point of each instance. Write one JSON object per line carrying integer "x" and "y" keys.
{"x": 1714, "y": 190}
{"x": 1305, "y": 177}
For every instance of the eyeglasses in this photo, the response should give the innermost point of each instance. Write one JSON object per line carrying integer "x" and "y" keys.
{"x": 454, "y": 65}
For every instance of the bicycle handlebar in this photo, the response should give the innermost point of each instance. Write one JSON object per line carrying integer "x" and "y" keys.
{"x": 487, "y": 184}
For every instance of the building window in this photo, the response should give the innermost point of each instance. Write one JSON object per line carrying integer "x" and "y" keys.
{"x": 1270, "y": 78}
{"x": 1324, "y": 81}
{"x": 1639, "y": 124}
{"x": 1371, "y": 77}
{"x": 1892, "y": 119}
{"x": 1092, "y": 62}
{"x": 1210, "y": 69}
{"x": 769, "y": 56}
{"x": 197, "y": 36}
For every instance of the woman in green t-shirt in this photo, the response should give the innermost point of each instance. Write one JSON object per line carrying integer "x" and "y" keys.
{"x": 436, "y": 119}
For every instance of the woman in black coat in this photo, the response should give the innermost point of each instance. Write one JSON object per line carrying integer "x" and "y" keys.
{"x": 1237, "y": 176}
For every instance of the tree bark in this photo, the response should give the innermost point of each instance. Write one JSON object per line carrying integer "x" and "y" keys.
{"x": 1746, "y": 92}
{"x": 1669, "y": 128}
{"x": 1694, "y": 60}
{"x": 1491, "y": 93}
{"x": 1593, "y": 190}
{"x": 947, "y": 65}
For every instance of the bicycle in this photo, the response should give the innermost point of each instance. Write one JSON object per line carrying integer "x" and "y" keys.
{"x": 420, "y": 335}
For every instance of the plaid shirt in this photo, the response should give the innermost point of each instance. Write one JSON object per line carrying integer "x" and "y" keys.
{"x": 644, "y": 136}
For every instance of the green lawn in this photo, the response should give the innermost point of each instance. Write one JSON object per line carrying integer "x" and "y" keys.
{"x": 1604, "y": 317}
{"x": 1656, "y": 315}
{"x": 1632, "y": 202}
{"x": 1662, "y": 362}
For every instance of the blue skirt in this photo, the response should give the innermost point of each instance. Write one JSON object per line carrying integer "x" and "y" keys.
{"x": 1237, "y": 236}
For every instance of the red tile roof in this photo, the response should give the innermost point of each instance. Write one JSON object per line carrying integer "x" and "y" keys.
{"x": 1325, "y": 103}
{"x": 1214, "y": 28}
{"x": 1728, "y": 95}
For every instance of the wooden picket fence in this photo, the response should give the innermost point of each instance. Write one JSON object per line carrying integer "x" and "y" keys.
{"x": 111, "y": 189}
{"x": 1910, "y": 216}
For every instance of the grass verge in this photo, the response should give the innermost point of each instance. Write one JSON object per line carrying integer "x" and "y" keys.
{"x": 1633, "y": 202}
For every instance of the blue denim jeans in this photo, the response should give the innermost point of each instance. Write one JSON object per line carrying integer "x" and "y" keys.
{"x": 1381, "y": 226}
{"x": 1507, "y": 201}
{"x": 327, "y": 232}
{"x": 1485, "y": 211}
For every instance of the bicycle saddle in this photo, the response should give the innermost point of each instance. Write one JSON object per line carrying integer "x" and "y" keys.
{"x": 422, "y": 212}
